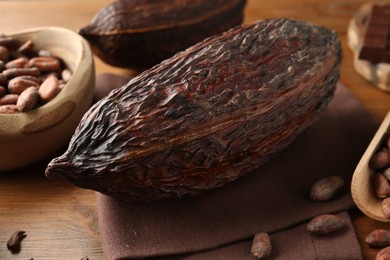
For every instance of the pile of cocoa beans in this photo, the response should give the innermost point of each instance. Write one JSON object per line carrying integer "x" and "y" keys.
{"x": 380, "y": 163}
{"x": 29, "y": 78}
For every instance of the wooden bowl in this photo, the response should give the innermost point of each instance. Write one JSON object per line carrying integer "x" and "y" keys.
{"x": 361, "y": 186}
{"x": 33, "y": 136}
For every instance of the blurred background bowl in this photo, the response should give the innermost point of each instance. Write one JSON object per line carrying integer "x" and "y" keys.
{"x": 26, "y": 138}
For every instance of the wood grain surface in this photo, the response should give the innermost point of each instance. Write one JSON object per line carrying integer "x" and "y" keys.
{"x": 60, "y": 219}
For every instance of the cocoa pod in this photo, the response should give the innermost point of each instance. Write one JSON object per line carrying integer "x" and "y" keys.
{"x": 325, "y": 224}
{"x": 206, "y": 116}
{"x": 378, "y": 238}
{"x": 326, "y": 188}
{"x": 139, "y": 33}
{"x": 261, "y": 245}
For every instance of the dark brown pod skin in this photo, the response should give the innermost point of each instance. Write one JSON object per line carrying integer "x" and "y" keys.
{"x": 206, "y": 116}
{"x": 138, "y": 34}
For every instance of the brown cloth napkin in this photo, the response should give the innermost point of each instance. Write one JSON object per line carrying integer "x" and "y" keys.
{"x": 220, "y": 224}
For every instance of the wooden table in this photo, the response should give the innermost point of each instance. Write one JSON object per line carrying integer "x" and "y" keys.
{"x": 61, "y": 219}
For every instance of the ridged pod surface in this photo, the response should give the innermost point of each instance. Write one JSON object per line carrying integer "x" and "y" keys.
{"x": 206, "y": 116}
{"x": 141, "y": 33}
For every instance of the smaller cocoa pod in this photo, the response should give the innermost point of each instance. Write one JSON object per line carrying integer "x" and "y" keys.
{"x": 139, "y": 34}
{"x": 19, "y": 84}
{"x": 385, "y": 207}
{"x": 261, "y": 245}
{"x": 9, "y": 99}
{"x": 381, "y": 185}
{"x": 49, "y": 88}
{"x": 326, "y": 188}
{"x": 378, "y": 238}
{"x": 28, "y": 99}
{"x": 383, "y": 254}
{"x": 380, "y": 159}
{"x": 324, "y": 224}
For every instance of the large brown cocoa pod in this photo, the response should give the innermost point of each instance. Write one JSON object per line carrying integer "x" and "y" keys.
{"x": 141, "y": 33}
{"x": 206, "y": 116}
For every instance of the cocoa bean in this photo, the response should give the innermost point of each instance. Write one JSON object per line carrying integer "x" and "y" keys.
{"x": 45, "y": 64}
{"x": 326, "y": 188}
{"x": 26, "y": 47}
{"x": 49, "y": 89}
{"x": 4, "y": 54}
{"x": 386, "y": 173}
{"x": 19, "y": 84}
{"x": 8, "y": 109}
{"x": 3, "y": 91}
{"x": 383, "y": 254}
{"x": 15, "y": 72}
{"x": 325, "y": 224}
{"x": 17, "y": 63}
{"x": 3, "y": 79}
{"x": 378, "y": 238}
{"x": 261, "y": 245}
{"x": 9, "y": 99}
{"x": 18, "y": 76}
{"x": 66, "y": 75}
{"x": 380, "y": 159}
{"x": 381, "y": 185}
{"x": 14, "y": 242}
{"x": 28, "y": 99}
{"x": 9, "y": 42}
{"x": 385, "y": 207}
{"x": 44, "y": 53}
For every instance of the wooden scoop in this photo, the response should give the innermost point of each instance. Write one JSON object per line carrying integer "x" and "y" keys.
{"x": 361, "y": 186}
